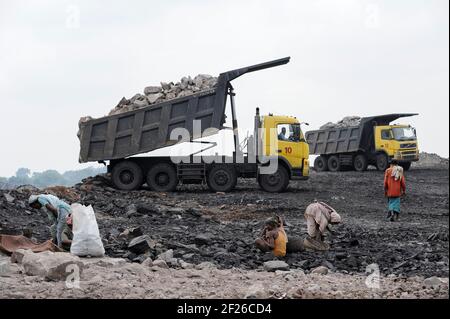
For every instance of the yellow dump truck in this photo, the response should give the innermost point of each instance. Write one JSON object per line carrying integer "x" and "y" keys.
{"x": 276, "y": 153}
{"x": 373, "y": 142}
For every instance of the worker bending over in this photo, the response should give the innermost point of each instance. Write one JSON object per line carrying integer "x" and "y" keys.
{"x": 319, "y": 216}
{"x": 394, "y": 188}
{"x": 59, "y": 213}
{"x": 273, "y": 237}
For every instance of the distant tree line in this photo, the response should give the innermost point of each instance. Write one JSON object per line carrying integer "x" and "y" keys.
{"x": 49, "y": 177}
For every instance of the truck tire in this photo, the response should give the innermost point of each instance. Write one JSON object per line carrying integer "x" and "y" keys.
{"x": 221, "y": 178}
{"x": 334, "y": 165}
{"x": 360, "y": 163}
{"x": 382, "y": 162}
{"x": 274, "y": 183}
{"x": 127, "y": 175}
{"x": 406, "y": 166}
{"x": 162, "y": 178}
{"x": 320, "y": 164}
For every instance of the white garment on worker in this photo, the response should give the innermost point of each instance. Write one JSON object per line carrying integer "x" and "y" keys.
{"x": 397, "y": 172}
{"x": 62, "y": 208}
{"x": 318, "y": 215}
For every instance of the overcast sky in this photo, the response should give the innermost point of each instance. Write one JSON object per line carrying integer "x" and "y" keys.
{"x": 60, "y": 60}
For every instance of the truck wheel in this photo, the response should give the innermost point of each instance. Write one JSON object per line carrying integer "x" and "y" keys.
{"x": 382, "y": 162}
{"x": 162, "y": 178}
{"x": 127, "y": 175}
{"x": 334, "y": 165}
{"x": 406, "y": 166}
{"x": 274, "y": 183}
{"x": 360, "y": 163}
{"x": 221, "y": 178}
{"x": 320, "y": 164}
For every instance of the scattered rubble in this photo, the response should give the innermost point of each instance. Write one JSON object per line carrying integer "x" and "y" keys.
{"x": 194, "y": 236}
{"x": 130, "y": 280}
{"x": 345, "y": 122}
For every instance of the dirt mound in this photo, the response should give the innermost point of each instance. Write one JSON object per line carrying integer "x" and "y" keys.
{"x": 431, "y": 160}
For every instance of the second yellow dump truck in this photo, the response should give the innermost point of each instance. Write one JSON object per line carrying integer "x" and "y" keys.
{"x": 373, "y": 142}
{"x": 275, "y": 154}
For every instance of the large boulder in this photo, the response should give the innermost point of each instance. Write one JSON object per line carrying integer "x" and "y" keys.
{"x": 141, "y": 245}
{"x": 50, "y": 265}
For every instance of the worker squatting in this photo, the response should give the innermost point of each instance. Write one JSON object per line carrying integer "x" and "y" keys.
{"x": 319, "y": 218}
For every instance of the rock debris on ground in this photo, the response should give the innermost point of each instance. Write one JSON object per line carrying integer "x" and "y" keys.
{"x": 200, "y": 238}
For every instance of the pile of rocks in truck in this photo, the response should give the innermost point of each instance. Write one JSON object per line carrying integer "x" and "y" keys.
{"x": 345, "y": 122}
{"x": 164, "y": 92}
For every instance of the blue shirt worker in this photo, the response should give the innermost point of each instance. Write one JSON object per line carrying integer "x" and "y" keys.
{"x": 57, "y": 212}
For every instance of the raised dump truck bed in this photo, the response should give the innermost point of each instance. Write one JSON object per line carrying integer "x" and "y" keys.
{"x": 147, "y": 129}
{"x": 122, "y": 142}
{"x": 342, "y": 146}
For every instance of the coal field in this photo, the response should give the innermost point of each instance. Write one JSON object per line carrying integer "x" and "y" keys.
{"x": 199, "y": 225}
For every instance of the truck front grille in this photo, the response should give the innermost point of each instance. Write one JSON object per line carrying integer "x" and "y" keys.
{"x": 408, "y": 145}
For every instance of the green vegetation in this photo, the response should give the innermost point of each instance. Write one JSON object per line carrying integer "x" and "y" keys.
{"x": 49, "y": 177}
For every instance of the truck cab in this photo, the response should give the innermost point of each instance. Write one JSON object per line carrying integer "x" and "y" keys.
{"x": 283, "y": 138}
{"x": 398, "y": 142}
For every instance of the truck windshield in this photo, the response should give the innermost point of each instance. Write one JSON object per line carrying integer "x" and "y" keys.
{"x": 404, "y": 133}
{"x": 290, "y": 132}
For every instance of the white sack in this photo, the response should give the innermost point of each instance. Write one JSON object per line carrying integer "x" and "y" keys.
{"x": 86, "y": 236}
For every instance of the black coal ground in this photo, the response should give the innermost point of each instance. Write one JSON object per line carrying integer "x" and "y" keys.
{"x": 229, "y": 223}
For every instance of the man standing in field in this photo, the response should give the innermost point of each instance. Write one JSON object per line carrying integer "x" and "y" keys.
{"x": 394, "y": 188}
